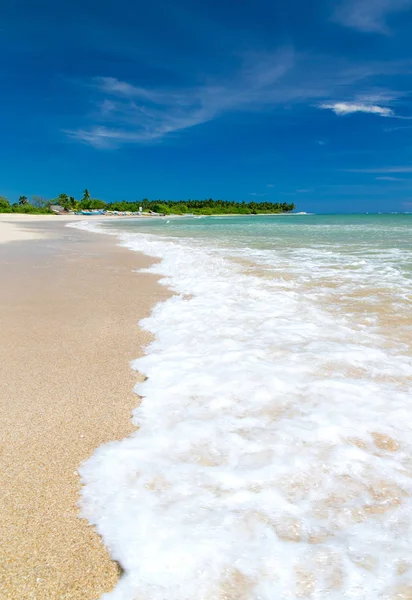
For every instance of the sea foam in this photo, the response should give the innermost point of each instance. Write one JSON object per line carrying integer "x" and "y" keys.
{"x": 273, "y": 455}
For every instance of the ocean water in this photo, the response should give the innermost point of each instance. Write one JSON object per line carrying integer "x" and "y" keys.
{"x": 273, "y": 455}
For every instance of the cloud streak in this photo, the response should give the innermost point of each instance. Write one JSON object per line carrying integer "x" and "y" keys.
{"x": 400, "y": 169}
{"x": 128, "y": 113}
{"x": 369, "y": 16}
{"x": 390, "y": 129}
{"x": 144, "y": 115}
{"x": 347, "y": 108}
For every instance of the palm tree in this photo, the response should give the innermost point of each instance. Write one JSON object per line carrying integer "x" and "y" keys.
{"x": 23, "y": 200}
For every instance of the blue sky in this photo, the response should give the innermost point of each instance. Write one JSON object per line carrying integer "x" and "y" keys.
{"x": 300, "y": 101}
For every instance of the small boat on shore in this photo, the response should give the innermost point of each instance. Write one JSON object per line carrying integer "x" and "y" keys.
{"x": 91, "y": 212}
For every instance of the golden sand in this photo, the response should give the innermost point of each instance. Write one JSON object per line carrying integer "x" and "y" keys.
{"x": 69, "y": 307}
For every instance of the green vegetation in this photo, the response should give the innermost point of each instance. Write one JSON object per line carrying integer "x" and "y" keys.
{"x": 202, "y": 207}
{"x": 23, "y": 206}
{"x": 39, "y": 205}
{"x": 4, "y": 205}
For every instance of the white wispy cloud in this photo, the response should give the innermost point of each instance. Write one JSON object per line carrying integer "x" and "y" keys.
{"x": 347, "y": 108}
{"x": 400, "y": 169}
{"x": 379, "y": 96}
{"x": 369, "y": 16}
{"x": 143, "y": 115}
{"x": 104, "y": 137}
{"x": 389, "y": 178}
{"x": 390, "y": 129}
{"x": 128, "y": 113}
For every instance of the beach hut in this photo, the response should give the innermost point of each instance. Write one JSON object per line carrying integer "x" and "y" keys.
{"x": 57, "y": 209}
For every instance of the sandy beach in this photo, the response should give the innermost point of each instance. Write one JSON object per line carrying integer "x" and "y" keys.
{"x": 69, "y": 307}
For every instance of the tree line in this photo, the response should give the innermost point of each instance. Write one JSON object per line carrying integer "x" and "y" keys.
{"x": 39, "y": 205}
{"x": 207, "y": 207}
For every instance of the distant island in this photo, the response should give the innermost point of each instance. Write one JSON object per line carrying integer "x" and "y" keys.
{"x": 39, "y": 205}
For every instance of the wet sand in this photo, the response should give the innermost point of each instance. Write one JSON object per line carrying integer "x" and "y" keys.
{"x": 69, "y": 307}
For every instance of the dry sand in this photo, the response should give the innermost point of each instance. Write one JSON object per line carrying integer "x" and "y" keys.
{"x": 15, "y": 227}
{"x": 69, "y": 307}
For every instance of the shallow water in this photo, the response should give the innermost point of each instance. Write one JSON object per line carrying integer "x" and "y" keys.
{"x": 273, "y": 458}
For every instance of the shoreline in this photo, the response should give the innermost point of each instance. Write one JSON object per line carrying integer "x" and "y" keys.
{"x": 68, "y": 389}
{"x": 253, "y": 385}
{"x": 288, "y": 386}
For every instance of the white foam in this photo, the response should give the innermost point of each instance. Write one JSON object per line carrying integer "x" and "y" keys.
{"x": 273, "y": 458}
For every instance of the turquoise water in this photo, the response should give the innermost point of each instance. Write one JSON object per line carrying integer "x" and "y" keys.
{"x": 273, "y": 225}
{"x": 358, "y": 234}
{"x": 273, "y": 455}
